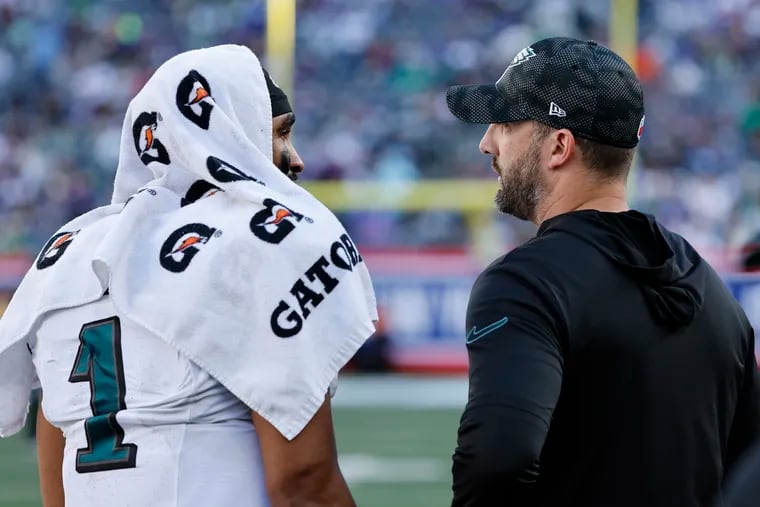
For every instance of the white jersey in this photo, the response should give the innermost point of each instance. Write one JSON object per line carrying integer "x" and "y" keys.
{"x": 144, "y": 426}
{"x": 256, "y": 283}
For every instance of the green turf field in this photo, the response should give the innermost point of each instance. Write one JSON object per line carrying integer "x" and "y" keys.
{"x": 18, "y": 473}
{"x": 398, "y": 457}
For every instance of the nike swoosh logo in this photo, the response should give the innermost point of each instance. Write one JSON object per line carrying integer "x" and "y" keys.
{"x": 475, "y": 334}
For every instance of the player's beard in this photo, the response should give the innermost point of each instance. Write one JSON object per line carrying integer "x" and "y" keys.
{"x": 284, "y": 165}
{"x": 522, "y": 185}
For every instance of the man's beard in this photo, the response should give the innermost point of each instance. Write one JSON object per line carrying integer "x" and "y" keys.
{"x": 521, "y": 186}
{"x": 284, "y": 165}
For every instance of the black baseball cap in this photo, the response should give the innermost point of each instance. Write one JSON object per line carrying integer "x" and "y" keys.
{"x": 564, "y": 83}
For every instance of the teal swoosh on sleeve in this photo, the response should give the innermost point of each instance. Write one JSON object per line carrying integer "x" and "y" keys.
{"x": 475, "y": 334}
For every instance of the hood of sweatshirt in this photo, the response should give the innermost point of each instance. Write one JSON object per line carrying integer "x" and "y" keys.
{"x": 663, "y": 263}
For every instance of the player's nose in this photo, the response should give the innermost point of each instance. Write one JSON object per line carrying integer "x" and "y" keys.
{"x": 296, "y": 163}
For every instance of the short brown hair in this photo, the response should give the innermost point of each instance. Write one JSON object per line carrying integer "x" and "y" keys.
{"x": 607, "y": 161}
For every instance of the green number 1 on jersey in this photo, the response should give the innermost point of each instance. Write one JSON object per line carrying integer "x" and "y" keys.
{"x": 99, "y": 362}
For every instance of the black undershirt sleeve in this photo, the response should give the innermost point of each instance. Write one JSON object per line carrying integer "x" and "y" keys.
{"x": 515, "y": 379}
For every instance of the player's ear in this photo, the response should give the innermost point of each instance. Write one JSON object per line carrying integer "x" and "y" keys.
{"x": 561, "y": 147}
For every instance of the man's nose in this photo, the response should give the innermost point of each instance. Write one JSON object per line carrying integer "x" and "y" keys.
{"x": 296, "y": 163}
{"x": 486, "y": 143}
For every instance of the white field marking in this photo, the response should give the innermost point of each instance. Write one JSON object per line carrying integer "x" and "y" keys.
{"x": 364, "y": 468}
{"x": 401, "y": 391}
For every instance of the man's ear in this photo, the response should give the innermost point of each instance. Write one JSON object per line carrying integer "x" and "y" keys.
{"x": 561, "y": 146}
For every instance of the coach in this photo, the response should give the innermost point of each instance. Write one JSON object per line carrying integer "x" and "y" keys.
{"x": 609, "y": 364}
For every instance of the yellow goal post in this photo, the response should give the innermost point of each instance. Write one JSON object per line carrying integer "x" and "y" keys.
{"x": 472, "y": 197}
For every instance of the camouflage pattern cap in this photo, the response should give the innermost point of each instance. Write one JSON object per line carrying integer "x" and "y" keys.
{"x": 564, "y": 83}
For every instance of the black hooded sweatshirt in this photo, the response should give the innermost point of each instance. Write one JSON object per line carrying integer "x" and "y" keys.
{"x": 609, "y": 367}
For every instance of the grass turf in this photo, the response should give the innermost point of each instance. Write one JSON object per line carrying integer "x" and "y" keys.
{"x": 398, "y": 457}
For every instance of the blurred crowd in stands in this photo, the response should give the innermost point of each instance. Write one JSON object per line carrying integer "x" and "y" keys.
{"x": 370, "y": 82}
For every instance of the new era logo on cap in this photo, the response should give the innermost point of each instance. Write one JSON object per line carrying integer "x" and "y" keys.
{"x": 523, "y": 56}
{"x": 555, "y": 110}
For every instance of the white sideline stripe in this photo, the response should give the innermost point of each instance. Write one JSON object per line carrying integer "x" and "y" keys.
{"x": 400, "y": 391}
{"x": 365, "y": 468}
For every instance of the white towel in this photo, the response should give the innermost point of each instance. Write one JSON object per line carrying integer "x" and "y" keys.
{"x": 258, "y": 283}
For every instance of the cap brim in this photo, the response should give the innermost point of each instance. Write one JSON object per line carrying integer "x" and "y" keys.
{"x": 478, "y": 104}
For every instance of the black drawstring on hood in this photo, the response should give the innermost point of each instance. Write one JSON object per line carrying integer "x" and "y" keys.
{"x": 664, "y": 264}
